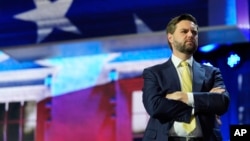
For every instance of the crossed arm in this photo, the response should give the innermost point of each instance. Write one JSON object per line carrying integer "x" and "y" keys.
{"x": 183, "y": 97}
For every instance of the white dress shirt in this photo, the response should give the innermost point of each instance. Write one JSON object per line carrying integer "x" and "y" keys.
{"x": 177, "y": 129}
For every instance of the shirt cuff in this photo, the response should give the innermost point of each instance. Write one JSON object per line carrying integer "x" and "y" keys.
{"x": 190, "y": 99}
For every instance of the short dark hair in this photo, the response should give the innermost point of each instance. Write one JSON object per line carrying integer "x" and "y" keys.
{"x": 171, "y": 26}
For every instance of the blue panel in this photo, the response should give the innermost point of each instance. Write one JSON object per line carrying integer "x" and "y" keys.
{"x": 148, "y": 54}
{"x": 231, "y": 18}
{"x": 11, "y": 64}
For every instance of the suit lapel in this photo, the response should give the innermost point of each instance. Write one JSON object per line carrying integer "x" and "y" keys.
{"x": 198, "y": 76}
{"x": 173, "y": 82}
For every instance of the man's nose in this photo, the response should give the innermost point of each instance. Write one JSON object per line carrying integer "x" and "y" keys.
{"x": 190, "y": 33}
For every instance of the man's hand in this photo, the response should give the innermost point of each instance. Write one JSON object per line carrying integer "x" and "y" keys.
{"x": 217, "y": 90}
{"x": 181, "y": 96}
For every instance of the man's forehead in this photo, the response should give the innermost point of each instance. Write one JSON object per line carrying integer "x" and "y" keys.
{"x": 186, "y": 24}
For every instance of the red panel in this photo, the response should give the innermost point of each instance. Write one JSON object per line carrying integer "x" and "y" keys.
{"x": 124, "y": 108}
{"x": 83, "y": 115}
{"x": 102, "y": 113}
{"x": 43, "y": 117}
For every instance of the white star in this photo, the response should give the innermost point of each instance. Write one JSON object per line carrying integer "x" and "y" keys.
{"x": 141, "y": 27}
{"x": 49, "y": 15}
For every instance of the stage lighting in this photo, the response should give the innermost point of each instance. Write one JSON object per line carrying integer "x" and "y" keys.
{"x": 207, "y": 63}
{"x": 113, "y": 75}
{"x": 208, "y": 48}
{"x": 48, "y": 80}
{"x": 233, "y": 60}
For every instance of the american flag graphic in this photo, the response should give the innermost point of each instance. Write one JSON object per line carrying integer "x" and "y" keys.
{"x": 40, "y": 21}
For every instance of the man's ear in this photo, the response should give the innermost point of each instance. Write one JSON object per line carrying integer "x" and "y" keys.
{"x": 170, "y": 37}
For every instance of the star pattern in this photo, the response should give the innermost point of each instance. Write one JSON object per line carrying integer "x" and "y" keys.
{"x": 49, "y": 15}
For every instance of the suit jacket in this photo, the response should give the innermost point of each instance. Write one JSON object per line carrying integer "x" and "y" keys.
{"x": 162, "y": 79}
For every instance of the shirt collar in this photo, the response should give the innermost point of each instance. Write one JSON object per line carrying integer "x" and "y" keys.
{"x": 176, "y": 61}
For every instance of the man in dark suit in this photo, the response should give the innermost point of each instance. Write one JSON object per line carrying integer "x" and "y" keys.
{"x": 167, "y": 102}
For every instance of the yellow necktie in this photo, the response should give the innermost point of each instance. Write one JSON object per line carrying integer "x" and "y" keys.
{"x": 187, "y": 87}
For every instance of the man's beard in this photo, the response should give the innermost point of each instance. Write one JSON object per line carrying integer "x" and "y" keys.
{"x": 186, "y": 49}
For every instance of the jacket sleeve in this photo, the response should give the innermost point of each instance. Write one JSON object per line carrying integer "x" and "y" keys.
{"x": 157, "y": 105}
{"x": 212, "y": 103}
